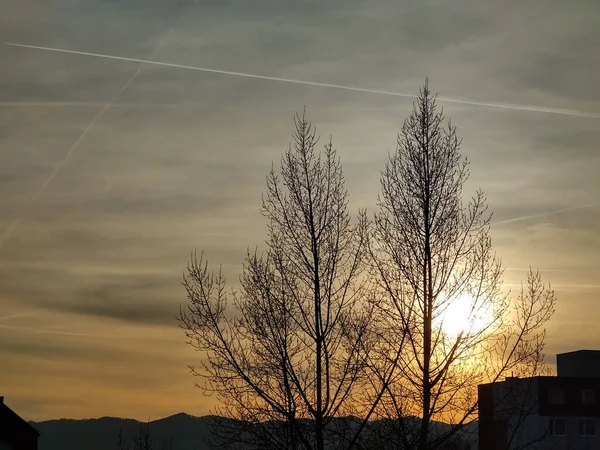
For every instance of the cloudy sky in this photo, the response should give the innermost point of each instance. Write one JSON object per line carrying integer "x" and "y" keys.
{"x": 112, "y": 171}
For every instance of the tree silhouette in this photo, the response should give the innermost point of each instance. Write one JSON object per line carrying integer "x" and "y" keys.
{"x": 286, "y": 355}
{"x": 432, "y": 256}
{"x": 368, "y": 334}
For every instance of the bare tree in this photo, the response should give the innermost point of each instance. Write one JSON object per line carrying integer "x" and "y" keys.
{"x": 286, "y": 354}
{"x": 122, "y": 444}
{"x": 143, "y": 441}
{"x": 435, "y": 264}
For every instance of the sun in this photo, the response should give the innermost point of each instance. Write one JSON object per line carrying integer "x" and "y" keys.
{"x": 464, "y": 314}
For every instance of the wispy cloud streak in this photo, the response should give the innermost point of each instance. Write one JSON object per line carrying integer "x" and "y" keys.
{"x": 545, "y": 214}
{"x": 16, "y": 315}
{"x": 527, "y": 108}
{"x": 47, "y": 331}
{"x": 562, "y": 286}
{"x": 83, "y": 104}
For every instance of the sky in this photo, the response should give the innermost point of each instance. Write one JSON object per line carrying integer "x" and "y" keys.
{"x": 112, "y": 171}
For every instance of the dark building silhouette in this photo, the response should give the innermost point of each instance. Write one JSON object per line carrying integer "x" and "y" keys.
{"x": 15, "y": 432}
{"x": 558, "y": 412}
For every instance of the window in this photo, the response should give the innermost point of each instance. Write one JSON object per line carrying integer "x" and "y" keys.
{"x": 587, "y": 427}
{"x": 557, "y": 427}
{"x": 557, "y": 396}
{"x": 588, "y": 397}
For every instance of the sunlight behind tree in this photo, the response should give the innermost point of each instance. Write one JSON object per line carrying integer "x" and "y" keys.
{"x": 464, "y": 314}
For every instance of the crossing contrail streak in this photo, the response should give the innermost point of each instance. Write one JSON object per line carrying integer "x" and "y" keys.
{"x": 528, "y": 108}
{"x": 549, "y": 213}
{"x": 68, "y": 155}
{"x": 78, "y": 141}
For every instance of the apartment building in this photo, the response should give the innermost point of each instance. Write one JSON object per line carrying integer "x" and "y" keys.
{"x": 548, "y": 412}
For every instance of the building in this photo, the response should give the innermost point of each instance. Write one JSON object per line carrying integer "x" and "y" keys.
{"x": 15, "y": 432}
{"x": 551, "y": 412}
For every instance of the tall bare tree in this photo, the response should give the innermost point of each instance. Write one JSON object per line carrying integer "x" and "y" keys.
{"x": 286, "y": 353}
{"x": 433, "y": 257}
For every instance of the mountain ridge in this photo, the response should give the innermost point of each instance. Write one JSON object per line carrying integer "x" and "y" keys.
{"x": 187, "y": 432}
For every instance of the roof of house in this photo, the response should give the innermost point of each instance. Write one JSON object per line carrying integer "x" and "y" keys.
{"x": 11, "y": 422}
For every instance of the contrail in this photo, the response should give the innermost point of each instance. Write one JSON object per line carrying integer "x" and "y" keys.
{"x": 313, "y": 83}
{"x": 549, "y": 213}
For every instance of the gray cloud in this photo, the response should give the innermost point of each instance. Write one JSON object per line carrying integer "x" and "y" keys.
{"x": 59, "y": 351}
{"x": 137, "y": 299}
{"x": 137, "y": 303}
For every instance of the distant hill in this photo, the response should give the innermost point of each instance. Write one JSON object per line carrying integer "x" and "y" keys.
{"x": 188, "y": 432}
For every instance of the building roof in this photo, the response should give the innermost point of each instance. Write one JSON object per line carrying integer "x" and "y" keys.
{"x": 583, "y": 351}
{"x": 543, "y": 377}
